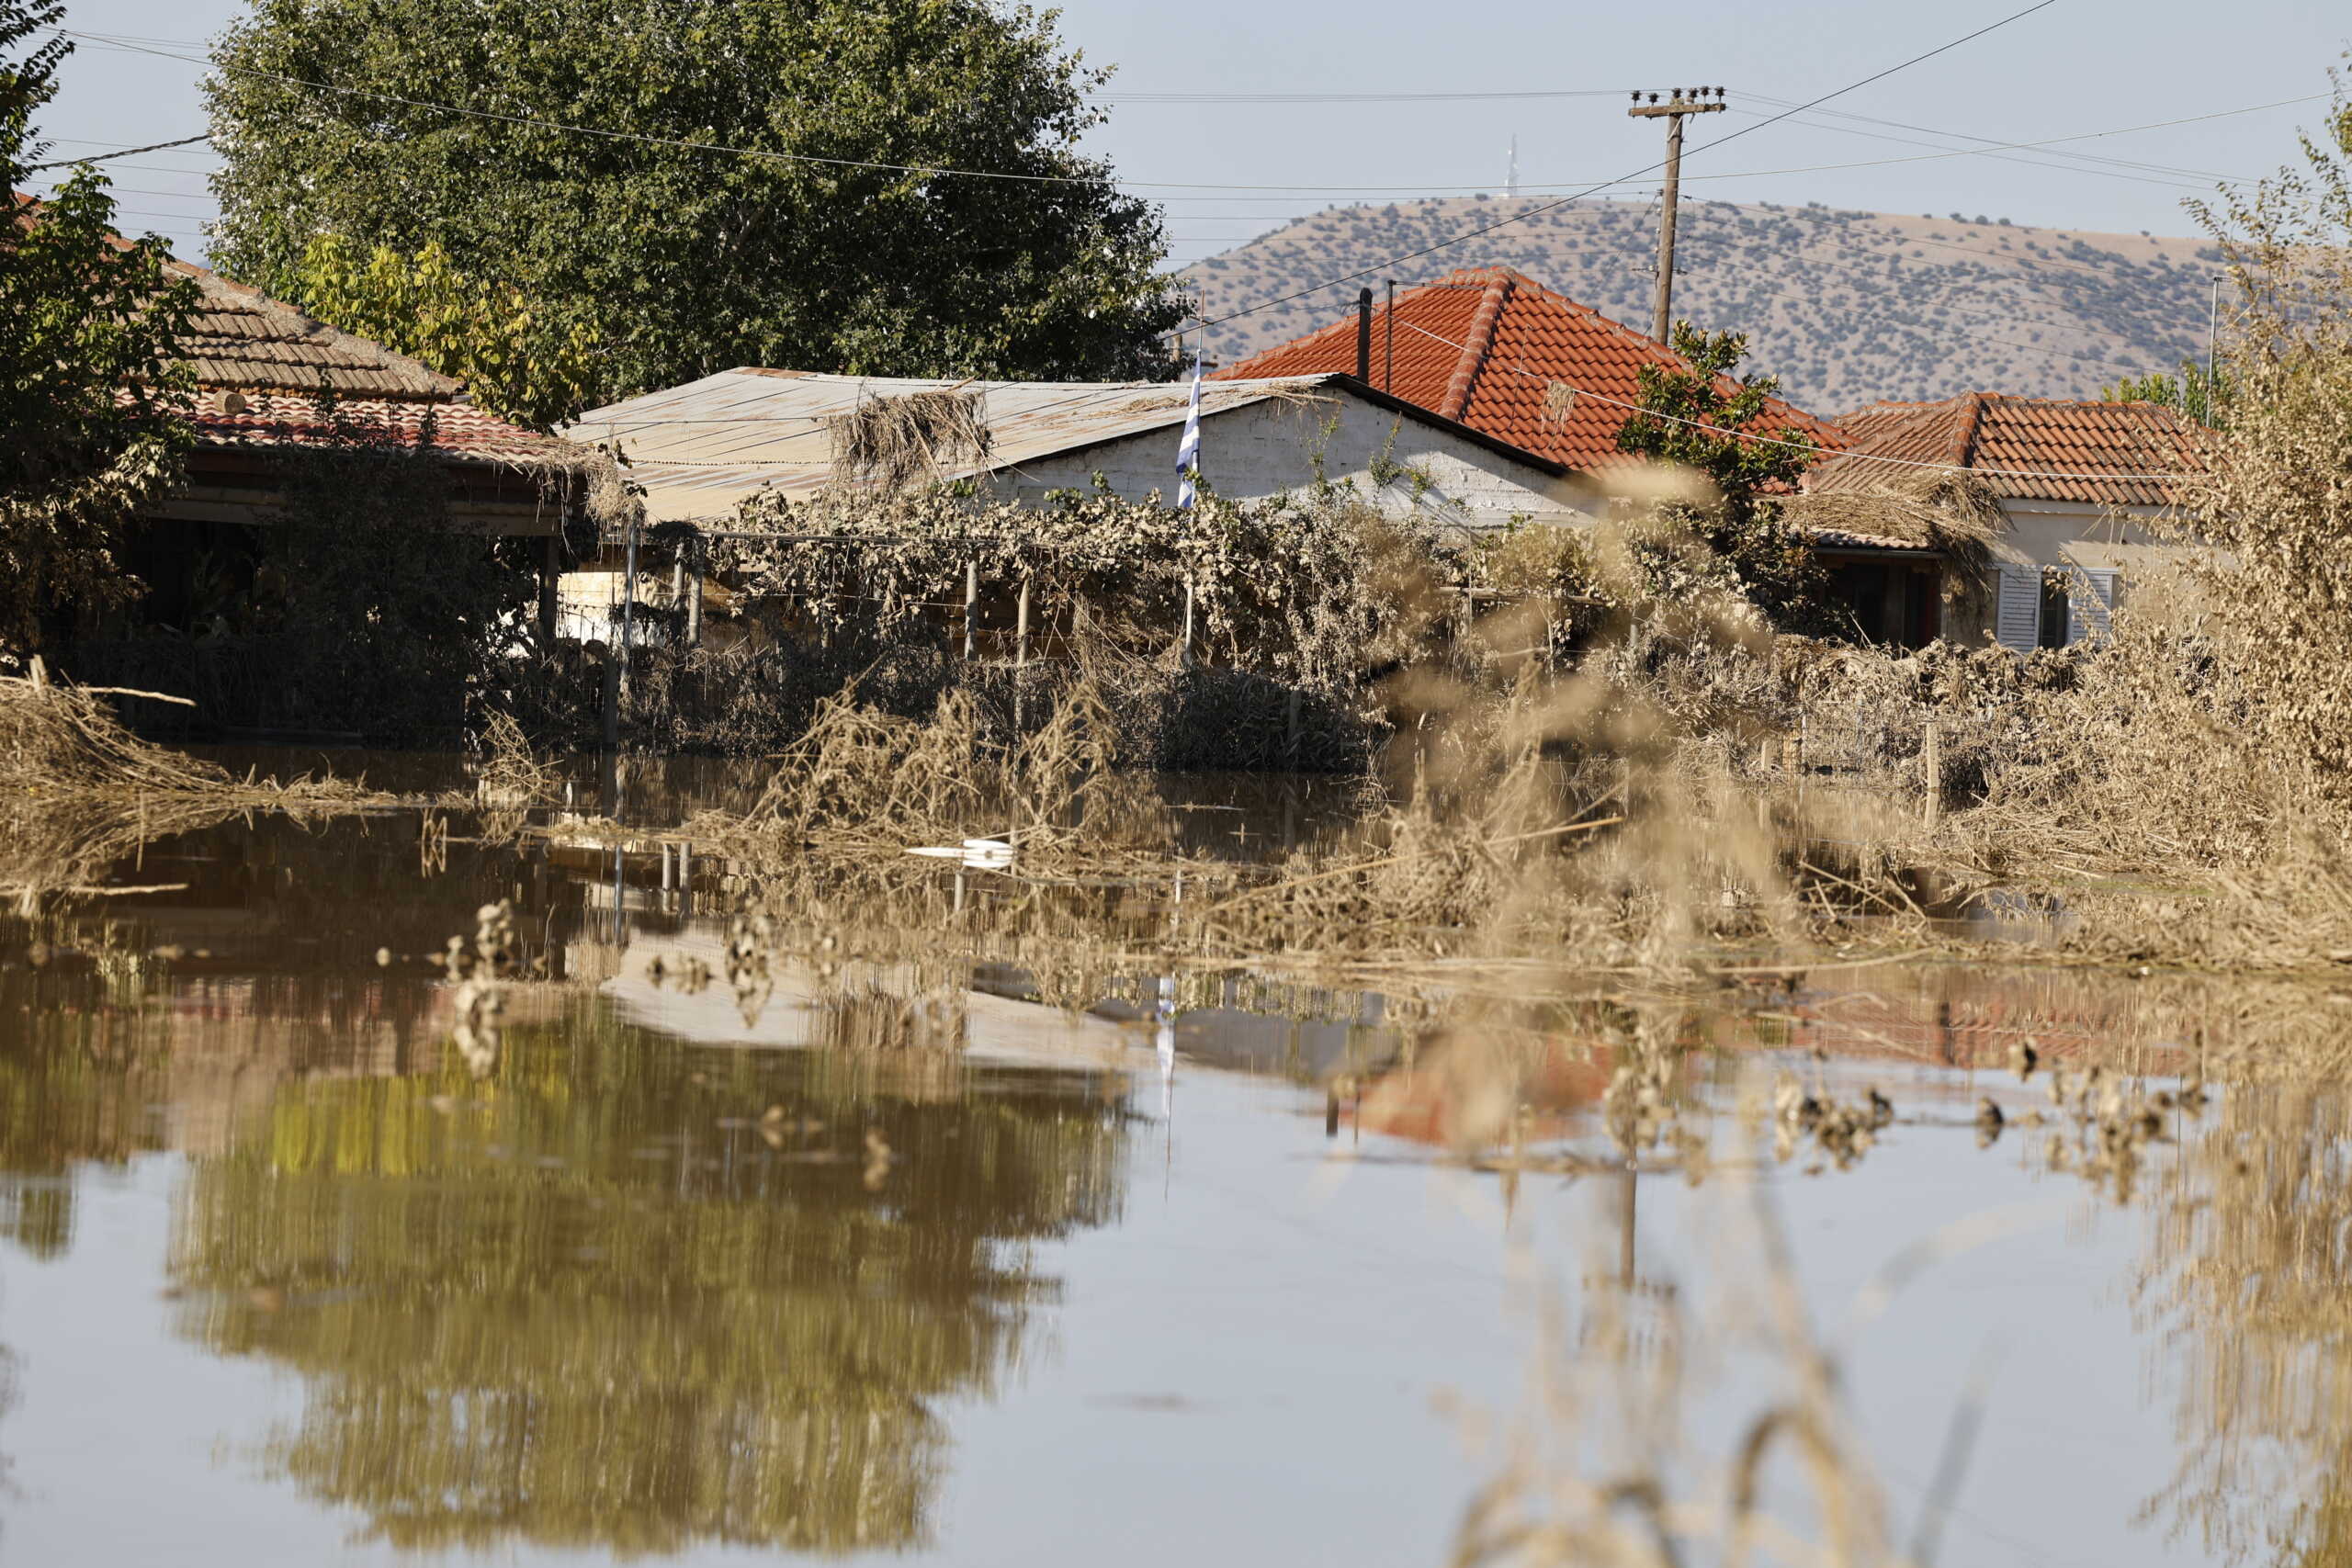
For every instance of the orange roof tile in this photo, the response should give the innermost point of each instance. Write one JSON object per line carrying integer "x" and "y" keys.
{"x": 1493, "y": 349}
{"x": 279, "y": 364}
{"x": 2028, "y": 448}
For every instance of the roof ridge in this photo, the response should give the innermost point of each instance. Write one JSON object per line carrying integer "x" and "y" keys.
{"x": 1961, "y": 453}
{"x": 1477, "y": 343}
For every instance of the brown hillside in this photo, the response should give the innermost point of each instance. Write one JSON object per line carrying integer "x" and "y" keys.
{"x": 1846, "y": 307}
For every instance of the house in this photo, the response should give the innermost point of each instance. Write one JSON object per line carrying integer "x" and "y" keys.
{"x": 1494, "y": 350}
{"x": 2065, "y": 493}
{"x": 271, "y": 382}
{"x": 703, "y": 449}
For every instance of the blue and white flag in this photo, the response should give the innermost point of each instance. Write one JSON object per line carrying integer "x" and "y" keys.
{"x": 1188, "y": 451}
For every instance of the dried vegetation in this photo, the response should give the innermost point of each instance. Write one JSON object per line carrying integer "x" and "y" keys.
{"x": 79, "y": 792}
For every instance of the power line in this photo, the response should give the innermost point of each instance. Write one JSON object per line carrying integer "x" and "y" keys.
{"x": 1359, "y": 98}
{"x": 2122, "y": 131}
{"x": 1991, "y": 148}
{"x": 1648, "y": 168}
{"x": 120, "y": 152}
{"x": 690, "y": 144}
{"x": 174, "y": 195}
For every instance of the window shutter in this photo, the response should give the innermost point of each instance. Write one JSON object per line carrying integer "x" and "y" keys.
{"x": 2089, "y": 612}
{"x": 2017, "y": 618}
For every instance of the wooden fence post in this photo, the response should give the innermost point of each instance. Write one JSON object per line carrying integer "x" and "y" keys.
{"x": 1021, "y": 663}
{"x": 1931, "y": 759}
{"x": 971, "y": 606}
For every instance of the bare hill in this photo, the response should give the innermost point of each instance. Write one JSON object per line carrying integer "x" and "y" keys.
{"x": 1846, "y": 307}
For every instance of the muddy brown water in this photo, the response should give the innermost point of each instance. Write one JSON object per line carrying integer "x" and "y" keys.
{"x": 281, "y": 1282}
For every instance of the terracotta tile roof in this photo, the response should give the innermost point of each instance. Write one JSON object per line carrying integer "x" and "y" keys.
{"x": 1850, "y": 539}
{"x": 2027, "y": 448}
{"x": 242, "y": 338}
{"x": 1499, "y": 352}
{"x": 460, "y": 431}
{"x": 262, "y": 368}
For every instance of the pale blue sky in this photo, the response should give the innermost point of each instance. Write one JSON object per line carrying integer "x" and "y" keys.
{"x": 2077, "y": 66}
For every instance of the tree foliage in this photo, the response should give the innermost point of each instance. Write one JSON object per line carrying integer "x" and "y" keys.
{"x": 519, "y": 362}
{"x": 91, "y": 394}
{"x": 692, "y": 187}
{"x": 2197, "y": 397}
{"x": 1685, "y": 421}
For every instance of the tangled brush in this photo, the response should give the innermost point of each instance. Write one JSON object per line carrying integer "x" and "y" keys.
{"x": 895, "y": 442}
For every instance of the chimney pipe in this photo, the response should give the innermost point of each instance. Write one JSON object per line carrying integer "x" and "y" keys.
{"x": 1364, "y": 335}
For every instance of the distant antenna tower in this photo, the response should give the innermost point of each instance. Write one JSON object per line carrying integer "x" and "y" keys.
{"x": 1511, "y": 180}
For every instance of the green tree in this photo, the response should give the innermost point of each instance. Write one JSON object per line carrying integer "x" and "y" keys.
{"x": 90, "y": 392}
{"x": 518, "y": 362}
{"x": 696, "y": 186}
{"x": 1685, "y": 419}
{"x": 2206, "y": 401}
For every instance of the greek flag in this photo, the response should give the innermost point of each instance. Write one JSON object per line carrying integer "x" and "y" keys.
{"x": 1188, "y": 451}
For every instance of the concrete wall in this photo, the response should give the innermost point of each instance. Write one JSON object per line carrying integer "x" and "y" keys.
{"x": 1276, "y": 446}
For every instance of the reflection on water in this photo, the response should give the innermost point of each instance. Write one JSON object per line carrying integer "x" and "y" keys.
{"x": 600, "y": 1301}
{"x": 703, "y": 1265}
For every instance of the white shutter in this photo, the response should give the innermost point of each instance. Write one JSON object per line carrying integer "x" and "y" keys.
{"x": 2017, "y": 618}
{"x": 2090, "y": 606}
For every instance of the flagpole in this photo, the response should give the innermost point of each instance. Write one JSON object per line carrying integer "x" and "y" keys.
{"x": 1188, "y": 450}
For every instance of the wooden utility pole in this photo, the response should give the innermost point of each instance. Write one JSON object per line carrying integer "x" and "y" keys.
{"x": 1680, "y": 102}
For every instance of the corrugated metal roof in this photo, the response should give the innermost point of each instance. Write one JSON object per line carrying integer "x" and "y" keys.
{"x": 701, "y": 449}
{"x": 458, "y": 431}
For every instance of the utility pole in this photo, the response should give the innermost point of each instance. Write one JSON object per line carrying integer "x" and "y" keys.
{"x": 2213, "y": 346}
{"x": 1680, "y": 102}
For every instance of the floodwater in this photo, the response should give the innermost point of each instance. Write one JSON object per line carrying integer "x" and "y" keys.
{"x": 701, "y": 1273}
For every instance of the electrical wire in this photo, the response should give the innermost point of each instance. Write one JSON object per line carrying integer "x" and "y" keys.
{"x": 1648, "y": 168}
{"x": 2093, "y": 157}
{"x": 120, "y": 152}
{"x": 122, "y": 41}
{"x": 119, "y": 41}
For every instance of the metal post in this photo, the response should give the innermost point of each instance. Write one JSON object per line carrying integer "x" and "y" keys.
{"x": 2212, "y": 339}
{"x": 629, "y": 607}
{"x": 1364, "y": 335}
{"x": 1389, "y": 335}
{"x": 1021, "y": 629}
{"x": 693, "y": 594}
{"x": 1684, "y": 101}
{"x": 1188, "y": 618}
{"x": 971, "y": 606}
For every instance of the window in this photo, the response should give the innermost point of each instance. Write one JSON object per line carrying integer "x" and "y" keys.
{"x": 2054, "y": 612}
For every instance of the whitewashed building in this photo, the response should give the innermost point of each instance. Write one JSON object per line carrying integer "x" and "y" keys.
{"x": 2078, "y": 485}
{"x": 702, "y": 450}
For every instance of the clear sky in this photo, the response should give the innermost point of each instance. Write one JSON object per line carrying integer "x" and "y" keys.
{"x": 2077, "y": 66}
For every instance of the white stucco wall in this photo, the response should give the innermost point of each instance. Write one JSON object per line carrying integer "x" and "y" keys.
{"x": 1274, "y": 447}
{"x": 2062, "y": 533}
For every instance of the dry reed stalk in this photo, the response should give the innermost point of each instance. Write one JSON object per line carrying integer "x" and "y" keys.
{"x": 77, "y": 790}
{"x": 897, "y": 442}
